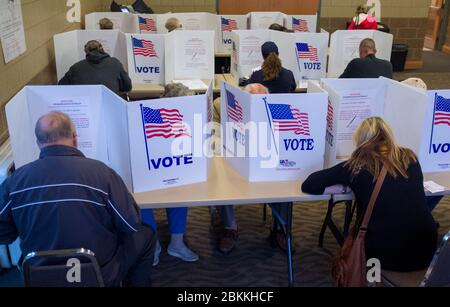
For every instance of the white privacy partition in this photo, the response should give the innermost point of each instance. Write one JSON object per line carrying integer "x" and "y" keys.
{"x": 189, "y": 55}
{"x": 344, "y": 47}
{"x": 305, "y": 54}
{"x": 275, "y": 137}
{"x": 98, "y": 114}
{"x": 189, "y": 21}
{"x": 228, "y": 23}
{"x": 353, "y": 100}
{"x": 435, "y": 151}
{"x": 69, "y": 47}
{"x": 124, "y": 22}
{"x": 168, "y": 147}
{"x": 302, "y": 23}
{"x": 146, "y": 58}
{"x": 262, "y": 20}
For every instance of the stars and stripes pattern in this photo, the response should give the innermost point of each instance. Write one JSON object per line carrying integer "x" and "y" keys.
{"x": 287, "y": 118}
{"x": 306, "y": 51}
{"x": 234, "y": 109}
{"x": 229, "y": 24}
{"x": 144, "y": 47}
{"x": 330, "y": 116}
{"x": 166, "y": 123}
{"x": 299, "y": 25}
{"x": 147, "y": 24}
{"x": 442, "y": 111}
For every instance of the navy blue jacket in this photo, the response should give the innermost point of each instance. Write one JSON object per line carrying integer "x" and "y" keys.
{"x": 64, "y": 200}
{"x": 368, "y": 67}
{"x": 285, "y": 83}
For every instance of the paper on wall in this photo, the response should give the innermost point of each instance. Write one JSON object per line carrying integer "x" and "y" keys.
{"x": 12, "y": 34}
{"x": 355, "y": 107}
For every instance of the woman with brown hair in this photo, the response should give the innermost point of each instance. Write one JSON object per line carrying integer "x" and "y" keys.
{"x": 272, "y": 74}
{"x": 401, "y": 233}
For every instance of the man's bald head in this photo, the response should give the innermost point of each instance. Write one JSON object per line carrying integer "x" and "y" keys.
{"x": 256, "y": 88}
{"x": 55, "y": 128}
{"x": 367, "y": 47}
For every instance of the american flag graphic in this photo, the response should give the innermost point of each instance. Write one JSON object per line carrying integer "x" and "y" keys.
{"x": 228, "y": 24}
{"x": 144, "y": 47}
{"x": 442, "y": 111}
{"x": 299, "y": 25}
{"x": 330, "y": 116}
{"x": 166, "y": 123}
{"x": 234, "y": 109}
{"x": 306, "y": 51}
{"x": 287, "y": 118}
{"x": 147, "y": 24}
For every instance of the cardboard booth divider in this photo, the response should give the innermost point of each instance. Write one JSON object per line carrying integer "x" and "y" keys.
{"x": 344, "y": 47}
{"x": 353, "y": 100}
{"x": 274, "y": 137}
{"x": 302, "y": 23}
{"x": 189, "y": 55}
{"x": 146, "y": 58}
{"x": 125, "y": 22}
{"x": 435, "y": 150}
{"x": 151, "y": 144}
{"x": 227, "y": 24}
{"x": 305, "y": 54}
{"x": 69, "y": 47}
{"x": 262, "y": 20}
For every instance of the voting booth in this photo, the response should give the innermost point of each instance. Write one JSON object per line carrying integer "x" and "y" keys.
{"x": 189, "y": 21}
{"x": 125, "y": 22}
{"x": 228, "y": 23}
{"x": 167, "y": 143}
{"x": 435, "y": 151}
{"x": 353, "y": 100}
{"x": 302, "y": 23}
{"x": 146, "y": 23}
{"x": 189, "y": 55}
{"x": 305, "y": 54}
{"x": 263, "y": 20}
{"x": 151, "y": 144}
{"x": 344, "y": 47}
{"x": 98, "y": 114}
{"x": 273, "y": 137}
{"x": 146, "y": 58}
{"x": 69, "y": 47}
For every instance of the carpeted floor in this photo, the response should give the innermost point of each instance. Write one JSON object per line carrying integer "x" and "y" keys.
{"x": 254, "y": 262}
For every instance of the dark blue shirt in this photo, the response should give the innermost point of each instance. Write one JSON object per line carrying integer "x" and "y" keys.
{"x": 63, "y": 201}
{"x": 285, "y": 83}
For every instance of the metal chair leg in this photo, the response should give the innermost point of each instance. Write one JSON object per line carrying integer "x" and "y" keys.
{"x": 326, "y": 222}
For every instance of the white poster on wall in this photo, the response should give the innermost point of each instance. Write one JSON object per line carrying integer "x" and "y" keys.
{"x": 146, "y": 58}
{"x": 12, "y": 35}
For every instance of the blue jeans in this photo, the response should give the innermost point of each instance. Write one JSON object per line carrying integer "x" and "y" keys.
{"x": 176, "y": 217}
{"x": 226, "y": 214}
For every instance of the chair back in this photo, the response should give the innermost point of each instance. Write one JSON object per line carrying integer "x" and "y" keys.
{"x": 438, "y": 273}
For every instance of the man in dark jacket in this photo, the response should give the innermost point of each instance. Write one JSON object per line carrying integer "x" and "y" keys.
{"x": 98, "y": 68}
{"x": 368, "y": 65}
{"x": 65, "y": 201}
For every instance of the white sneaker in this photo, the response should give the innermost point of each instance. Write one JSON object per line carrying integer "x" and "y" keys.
{"x": 157, "y": 253}
{"x": 184, "y": 253}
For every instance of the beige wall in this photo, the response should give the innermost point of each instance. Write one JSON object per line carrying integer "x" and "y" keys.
{"x": 42, "y": 19}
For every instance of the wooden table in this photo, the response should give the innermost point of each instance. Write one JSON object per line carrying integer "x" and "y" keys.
{"x": 225, "y": 186}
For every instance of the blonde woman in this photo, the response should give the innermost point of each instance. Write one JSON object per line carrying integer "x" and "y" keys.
{"x": 402, "y": 233}
{"x": 363, "y": 20}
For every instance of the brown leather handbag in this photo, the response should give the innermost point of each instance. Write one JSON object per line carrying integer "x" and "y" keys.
{"x": 350, "y": 267}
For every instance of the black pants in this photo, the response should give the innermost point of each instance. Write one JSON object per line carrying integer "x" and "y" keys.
{"x": 139, "y": 251}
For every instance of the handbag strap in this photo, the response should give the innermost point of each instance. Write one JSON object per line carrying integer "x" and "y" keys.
{"x": 373, "y": 198}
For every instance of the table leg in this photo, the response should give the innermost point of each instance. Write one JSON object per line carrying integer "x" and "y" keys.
{"x": 289, "y": 244}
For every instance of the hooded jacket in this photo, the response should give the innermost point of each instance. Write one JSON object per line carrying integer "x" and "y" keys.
{"x": 99, "y": 68}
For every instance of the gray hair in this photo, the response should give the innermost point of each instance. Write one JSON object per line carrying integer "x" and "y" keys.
{"x": 173, "y": 24}
{"x": 106, "y": 24}
{"x": 176, "y": 90}
{"x": 52, "y": 127}
{"x": 93, "y": 45}
{"x": 368, "y": 43}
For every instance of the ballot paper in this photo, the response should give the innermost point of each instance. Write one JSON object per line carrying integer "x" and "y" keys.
{"x": 193, "y": 84}
{"x": 433, "y": 187}
{"x": 12, "y": 35}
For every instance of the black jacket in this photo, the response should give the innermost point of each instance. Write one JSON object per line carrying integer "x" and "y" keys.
{"x": 139, "y": 6}
{"x": 64, "y": 200}
{"x": 401, "y": 233}
{"x": 285, "y": 83}
{"x": 368, "y": 67}
{"x": 99, "y": 68}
